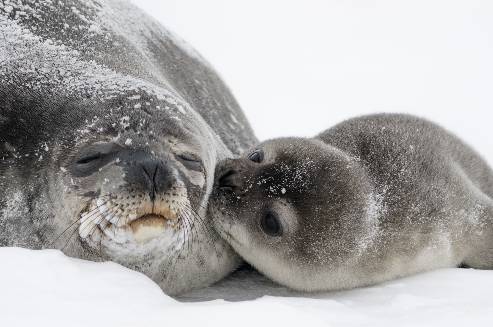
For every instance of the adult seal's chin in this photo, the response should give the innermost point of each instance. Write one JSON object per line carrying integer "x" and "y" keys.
{"x": 109, "y": 135}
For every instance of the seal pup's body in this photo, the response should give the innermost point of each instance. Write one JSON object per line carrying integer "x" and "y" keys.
{"x": 371, "y": 199}
{"x": 110, "y": 130}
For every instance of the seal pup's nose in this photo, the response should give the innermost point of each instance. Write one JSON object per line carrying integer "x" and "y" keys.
{"x": 228, "y": 180}
{"x": 228, "y": 176}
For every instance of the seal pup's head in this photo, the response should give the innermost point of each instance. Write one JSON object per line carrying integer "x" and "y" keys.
{"x": 296, "y": 209}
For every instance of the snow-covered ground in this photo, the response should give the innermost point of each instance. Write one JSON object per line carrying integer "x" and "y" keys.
{"x": 45, "y": 288}
{"x": 298, "y": 67}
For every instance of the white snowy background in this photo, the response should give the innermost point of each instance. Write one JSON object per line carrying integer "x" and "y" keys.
{"x": 298, "y": 67}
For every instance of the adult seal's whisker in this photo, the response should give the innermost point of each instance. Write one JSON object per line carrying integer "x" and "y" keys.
{"x": 73, "y": 223}
{"x": 203, "y": 224}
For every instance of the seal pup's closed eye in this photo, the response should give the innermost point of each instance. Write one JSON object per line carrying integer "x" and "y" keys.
{"x": 371, "y": 199}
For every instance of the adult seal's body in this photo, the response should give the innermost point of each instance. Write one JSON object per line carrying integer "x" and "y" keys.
{"x": 110, "y": 129}
{"x": 371, "y": 199}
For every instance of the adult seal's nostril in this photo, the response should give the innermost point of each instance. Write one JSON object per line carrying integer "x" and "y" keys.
{"x": 151, "y": 176}
{"x": 150, "y": 169}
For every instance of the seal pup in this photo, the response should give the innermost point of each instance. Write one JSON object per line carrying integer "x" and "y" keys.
{"x": 110, "y": 130}
{"x": 371, "y": 199}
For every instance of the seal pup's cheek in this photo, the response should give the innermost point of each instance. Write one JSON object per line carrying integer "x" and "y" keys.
{"x": 236, "y": 234}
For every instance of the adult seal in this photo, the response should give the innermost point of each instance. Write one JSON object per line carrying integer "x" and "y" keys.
{"x": 110, "y": 129}
{"x": 371, "y": 199}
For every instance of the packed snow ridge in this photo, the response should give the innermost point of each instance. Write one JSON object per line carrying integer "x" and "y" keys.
{"x": 46, "y": 288}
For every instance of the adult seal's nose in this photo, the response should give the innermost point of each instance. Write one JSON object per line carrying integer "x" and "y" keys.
{"x": 150, "y": 175}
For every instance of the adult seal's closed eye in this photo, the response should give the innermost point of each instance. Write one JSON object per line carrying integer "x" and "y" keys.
{"x": 371, "y": 199}
{"x": 110, "y": 129}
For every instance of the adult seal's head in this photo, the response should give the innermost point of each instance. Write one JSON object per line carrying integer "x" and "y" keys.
{"x": 371, "y": 199}
{"x": 110, "y": 129}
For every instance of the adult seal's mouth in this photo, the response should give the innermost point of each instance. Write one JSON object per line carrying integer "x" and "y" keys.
{"x": 150, "y": 226}
{"x": 108, "y": 220}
